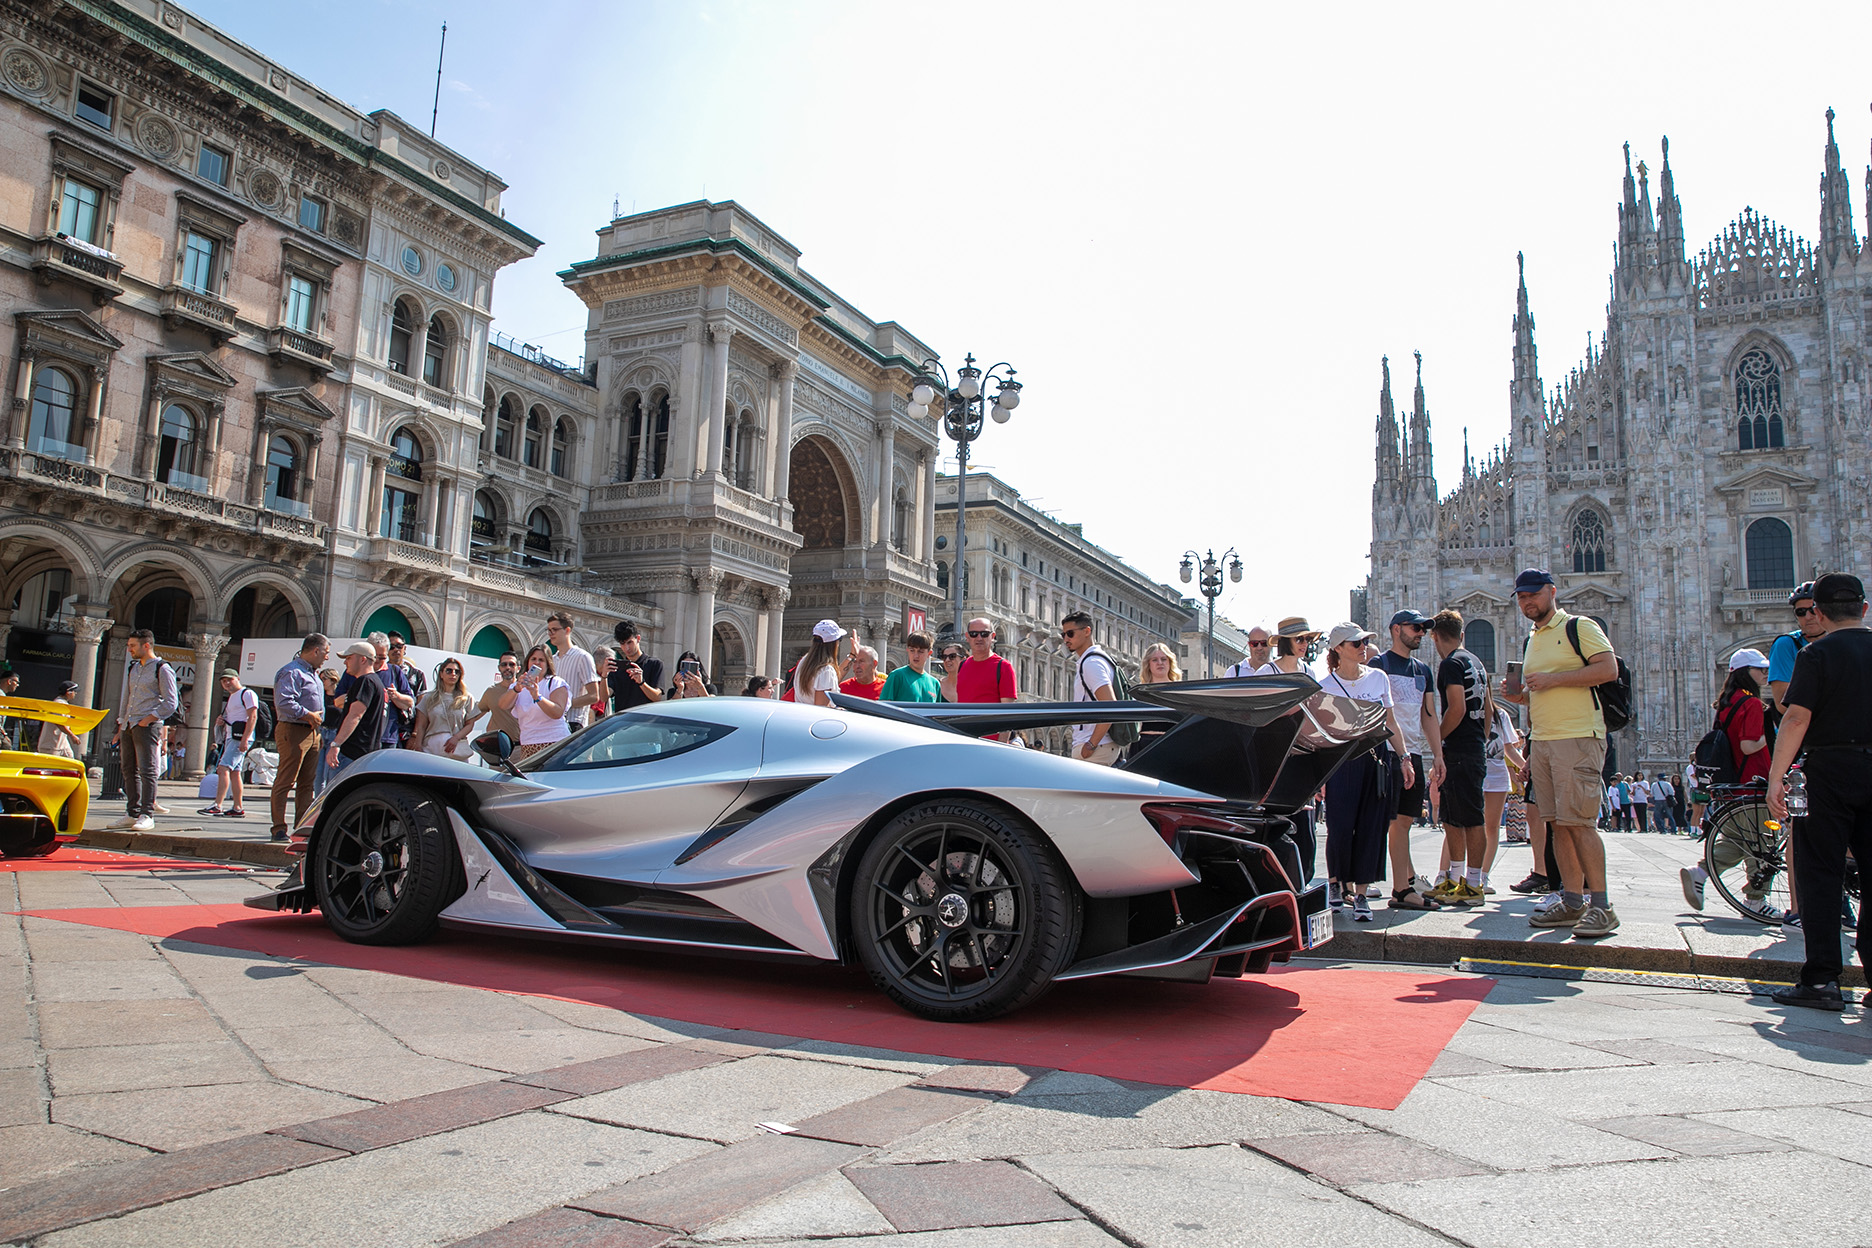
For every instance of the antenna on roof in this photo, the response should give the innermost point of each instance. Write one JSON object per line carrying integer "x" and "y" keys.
{"x": 437, "y": 106}
{"x": 614, "y": 206}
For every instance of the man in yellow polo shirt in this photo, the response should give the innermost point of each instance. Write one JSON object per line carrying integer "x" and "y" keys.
{"x": 1566, "y": 751}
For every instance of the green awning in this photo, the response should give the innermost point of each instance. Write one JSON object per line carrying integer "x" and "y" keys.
{"x": 389, "y": 620}
{"x": 489, "y": 643}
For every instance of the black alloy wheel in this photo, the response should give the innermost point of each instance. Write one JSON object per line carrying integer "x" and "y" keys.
{"x": 961, "y": 913}
{"x": 386, "y": 866}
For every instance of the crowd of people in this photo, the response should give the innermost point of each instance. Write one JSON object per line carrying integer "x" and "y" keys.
{"x": 1452, "y": 751}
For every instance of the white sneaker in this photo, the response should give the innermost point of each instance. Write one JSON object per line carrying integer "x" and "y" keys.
{"x": 158, "y": 808}
{"x": 127, "y": 821}
{"x": 1692, "y": 888}
{"x": 1547, "y": 903}
{"x": 145, "y": 824}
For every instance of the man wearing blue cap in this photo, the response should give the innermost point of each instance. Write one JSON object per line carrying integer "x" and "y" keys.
{"x": 1566, "y": 749}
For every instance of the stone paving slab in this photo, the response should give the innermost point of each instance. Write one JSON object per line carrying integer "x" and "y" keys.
{"x": 85, "y": 1024}
{"x": 607, "y": 1073}
{"x": 689, "y": 1196}
{"x": 384, "y": 1125}
{"x": 826, "y": 1206}
{"x": 1365, "y": 1157}
{"x": 948, "y": 1195}
{"x": 1693, "y": 1137}
{"x": 174, "y": 1118}
{"x": 568, "y": 1228}
{"x": 889, "y": 1116}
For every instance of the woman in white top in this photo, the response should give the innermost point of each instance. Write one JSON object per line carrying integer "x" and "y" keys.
{"x": 817, "y": 676}
{"x": 444, "y": 714}
{"x": 1501, "y": 752}
{"x": 538, "y": 699}
{"x": 1362, "y": 794}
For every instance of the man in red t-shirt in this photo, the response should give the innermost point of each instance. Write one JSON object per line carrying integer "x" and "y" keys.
{"x": 866, "y": 681}
{"x": 985, "y": 675}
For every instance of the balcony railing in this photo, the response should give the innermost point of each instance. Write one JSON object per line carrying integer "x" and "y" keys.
{"x": 1737, "y": 597}
{"x": 288, "y": 507}
{"x": 172, "y": 498}
{"x": 69, "y": 451}
{"x": 183, "y": 306}
{"x": 187, "y": 481}
{"x": 412, "y": 554}
{"x": 73, "y": 260}
{"x": 286, "y": 343}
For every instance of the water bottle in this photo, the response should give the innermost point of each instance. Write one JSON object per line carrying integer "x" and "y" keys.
{"x": 1796, "y": 795}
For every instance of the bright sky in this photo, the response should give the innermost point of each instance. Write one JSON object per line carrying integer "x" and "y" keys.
{"x": 1194, "y": 235}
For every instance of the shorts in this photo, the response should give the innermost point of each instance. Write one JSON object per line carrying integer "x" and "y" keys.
{"x": 1461, "y": 805}
{"x": 1566, "y": 775}
{"x": 231, "y": 754}
{"x": 1411, "y": 801}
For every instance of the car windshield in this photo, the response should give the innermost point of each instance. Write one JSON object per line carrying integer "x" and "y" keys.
{"x": 619, "y": 740}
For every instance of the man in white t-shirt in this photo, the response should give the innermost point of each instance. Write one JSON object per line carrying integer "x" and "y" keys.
{"x": 1094, "y": 679}
{"x": 240, "y": 716}
{"x": 574, "y": 665}
{"x": 1260, "y": 658}
{"x": 1662, "y": 798}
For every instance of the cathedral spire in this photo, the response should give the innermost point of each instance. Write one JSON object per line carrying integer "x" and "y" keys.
{"x": 1526, "y": 383}
{"x": 1419, "y": 466}
{"x": 1388, "y": 480}
{"x": 1635, "y": 228}
{"x": 1670, "y": 215}
{"x": 1838, "y": 242}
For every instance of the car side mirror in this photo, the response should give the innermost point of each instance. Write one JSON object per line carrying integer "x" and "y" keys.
{"x": 496, "y": 750}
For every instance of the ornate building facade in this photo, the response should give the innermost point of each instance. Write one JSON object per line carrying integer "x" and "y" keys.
{"x": 1712, "y": 449}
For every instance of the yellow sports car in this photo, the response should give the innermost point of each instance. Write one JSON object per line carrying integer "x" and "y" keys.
{"x": 42, "y": 795}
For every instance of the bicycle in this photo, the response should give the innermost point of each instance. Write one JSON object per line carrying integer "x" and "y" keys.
{"x": 1745, "y": 852}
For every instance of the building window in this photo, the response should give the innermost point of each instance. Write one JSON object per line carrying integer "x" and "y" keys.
{"x": 900, "y": 516}
{"x": 481, "y": 527}
{"x": 561, "y": 439}
{"x": 283, "y": 478}
{"x": 504, "y": 427}
{"x": 54, "y": 426}
{"x": 79, "y": 211}
{"x": 402, "y": 487}
{"x": 412, "y": 261}
{"x": 435, "y": 354}
{"x": 198, "y": 262}
{"x": 312, "y": 214}
{"x": 94, "y": 105}
{"x": 1589, "y": 542}
{"x": 213, "y": 165}
{"x": 445, "y": 277}
{"x": 633, "y": 436}
{"x": 178, "y": 457}
{"x": 402, "y": 337}
{"x": 659, "y": 436}
{"x": 942, "y": 576}
{"x": 1758, "y": 403}
{"x": 1479, "y": 637}
{"x": 1770, "y": 550}
{"x": 535, "y": 433}
{"x": 539, "y": 533}
{"x": 301, "y": 298}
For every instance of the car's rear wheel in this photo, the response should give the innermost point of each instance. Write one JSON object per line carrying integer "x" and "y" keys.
{"x": 386, "y": 865}
{"x": 962, "y": 913}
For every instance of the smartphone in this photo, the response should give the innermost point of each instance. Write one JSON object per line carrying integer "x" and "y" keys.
{"x": 689, "y": 667}
{"x": 536, "y": 671}
{"x": 1512, "y": 681}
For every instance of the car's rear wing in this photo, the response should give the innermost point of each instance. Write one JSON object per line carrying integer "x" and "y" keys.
{"x": 77, "y": 720}
{"x": 1270, "y": 741}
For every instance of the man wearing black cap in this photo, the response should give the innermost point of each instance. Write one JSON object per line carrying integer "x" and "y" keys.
{"x": 1829, "y": 715}
{"x": 1810, "y": 625}
{"x": 1413, "y": 695}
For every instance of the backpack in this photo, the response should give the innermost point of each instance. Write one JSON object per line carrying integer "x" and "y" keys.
{"x": 1714, "y": 757}
{"x": 1122, "y": 733}
{"x": 1612, "y": 698}
{"x": 262, "y": 713}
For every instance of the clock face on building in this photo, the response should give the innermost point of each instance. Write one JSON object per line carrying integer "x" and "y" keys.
{"x": 412, "y": 261}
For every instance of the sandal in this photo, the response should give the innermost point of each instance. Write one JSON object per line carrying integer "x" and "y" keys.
{"x": 209, "y": 810}
{"x": 1411, "y": 899}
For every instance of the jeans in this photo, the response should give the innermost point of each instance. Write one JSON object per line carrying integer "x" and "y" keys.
{"x": 140, "y": 761}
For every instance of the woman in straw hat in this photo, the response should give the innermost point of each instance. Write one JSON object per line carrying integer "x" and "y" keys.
{"x": 1360, "y": 796}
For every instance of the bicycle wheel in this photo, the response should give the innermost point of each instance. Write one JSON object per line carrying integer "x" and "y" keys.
{"x": 1746, "y": 860}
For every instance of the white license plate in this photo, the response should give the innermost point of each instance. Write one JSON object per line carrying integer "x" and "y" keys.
{"x": 1319, "y": 928}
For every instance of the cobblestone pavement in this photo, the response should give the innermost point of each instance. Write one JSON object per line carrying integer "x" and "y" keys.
{"x": 156, "y": 1092}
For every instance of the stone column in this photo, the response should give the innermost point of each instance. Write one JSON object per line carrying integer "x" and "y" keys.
{"x": 782, "y": 439}
{"x": 257, "y": 464}
{"x": 926, "y": 507}
{"x": 431, "y": 503}
{"x": 775, "y": 601}
{"x": 762, "y": 640}
{"x": 208, "y": 647}
{"x": 886, "y": 456}
{"x": 87, "y": 632}
{"x": 688, "y": 395}
{"x": 212, "y": 468}
{"x": 22, "y": 399}
{"x": 308, "y": 478}
{"x": 94, "y": 418}
{"x": 371, "y": 511}
{"x": 151, "y": 450}
{"x": 707, "y": 582}
{"x": 880, "y": 641}
{"x": 720, "y": 334}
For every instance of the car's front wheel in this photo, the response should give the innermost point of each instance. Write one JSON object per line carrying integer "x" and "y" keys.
{"x": 962, "y": 913}
{"x": 386, "y": 866}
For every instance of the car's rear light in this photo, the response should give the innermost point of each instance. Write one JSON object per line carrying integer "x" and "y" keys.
{"x": 1170, "y": 819}
{"x": 51, "y": 771}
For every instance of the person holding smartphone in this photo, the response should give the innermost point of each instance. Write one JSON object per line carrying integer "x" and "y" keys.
{"x": 638, "y": 679}
{"x": 691, "y": 680}
{"x": 538, "y": 700}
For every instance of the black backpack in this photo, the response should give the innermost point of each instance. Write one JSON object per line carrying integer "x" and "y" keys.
{"x": 1612, "y": 698}
{"x": 1121, "y": 733}
{"x": 1714, "y": 757}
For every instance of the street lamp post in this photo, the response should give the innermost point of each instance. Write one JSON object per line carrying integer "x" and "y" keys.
{"x": 963, "y": 404}
{"x": 1211, "y": 589}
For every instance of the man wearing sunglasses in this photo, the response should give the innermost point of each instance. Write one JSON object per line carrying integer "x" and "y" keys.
{"x": 1413, "y": 693}
{"x": 985, "y": 676}
{"x": 1781, "y": 655}
{"x": 1260, "y": 659}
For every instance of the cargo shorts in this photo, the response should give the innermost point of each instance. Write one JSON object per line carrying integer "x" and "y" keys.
{"x": 1565, "y": 776}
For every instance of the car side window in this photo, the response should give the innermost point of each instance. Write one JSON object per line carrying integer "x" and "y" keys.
{"x": 621, "y": 740}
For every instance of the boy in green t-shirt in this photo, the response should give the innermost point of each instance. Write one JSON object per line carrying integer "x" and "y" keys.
{"x": 913, "y": 682}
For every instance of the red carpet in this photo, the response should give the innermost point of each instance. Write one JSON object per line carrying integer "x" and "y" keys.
{"x": 1347, "y": 1037}
{"x": 72, "y": 858}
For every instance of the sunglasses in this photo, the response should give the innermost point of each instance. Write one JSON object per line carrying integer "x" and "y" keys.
{"x": 980, "y": 632}
{"x": 1259, "y": 645}
{"x": 1064, "y": 632}
{"x": 949, "y": 656}
{"x": 1801, "y": 613}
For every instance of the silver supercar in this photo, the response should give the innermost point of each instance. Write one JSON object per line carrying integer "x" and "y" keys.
{"x": 964, "y": 875}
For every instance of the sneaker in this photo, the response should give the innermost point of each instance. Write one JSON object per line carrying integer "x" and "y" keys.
{"x": 1812, "y": 996}
{"x": 1560, "y": 915}
{"x": 1335, "y": 895}
{"x": 209, "y": 810}
{"x": 145, "y": 824}
{"x": 1791, "y": 919}
{"x": 1444, "y": 894}
{"x": 279, "y": 835}
{"x": 1596, "y": 921}
{"x": 1373, "y": 890}
{"x": 1535, "y": 883}
{"x": 1547, "y": 903}
{"x": 1766, "y": 911}
{"x": 1361, "y": 910}
{"x": 1468, "y": 894}
{"x": 128, "y": 821}
{"x": 157, "y": 808}
{"x": 1692, "y": 888}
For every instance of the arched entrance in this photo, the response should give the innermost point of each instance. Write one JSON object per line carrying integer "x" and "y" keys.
{"x": 817, "y": 489}
{"x": 490, "y": 643}
{"x": 728, "y": 659}
{"x": 389, "y": 620}
{"x": 260, "y": 610}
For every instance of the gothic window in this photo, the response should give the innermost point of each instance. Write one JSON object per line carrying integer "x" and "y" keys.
{"x": 54, "y": 427}
{"x": 1479, "y": 637}
{"x": 1482, "y": 534}
{"x": 1758, "y": 403}
{"x": 481, "y": 526}
{"x": 1589, "y": 542}
{"x": 505, "y": 427}
{"x": 435, "y": 353}
{"x": 402, "y": 336}
{"x": 539, "y": 532}
{"x": 179, "y": 454}
{"x": 535, "y": 431}
{"x": 561, "y": 439}
{"x": 1770, "y": 549}
{"x": 402, "y": 491}
{"x": 633, "y": 414}
{"x": 1592, "y": 441}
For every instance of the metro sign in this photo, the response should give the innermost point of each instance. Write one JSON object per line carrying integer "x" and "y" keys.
{"x": 916, "y": 620}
